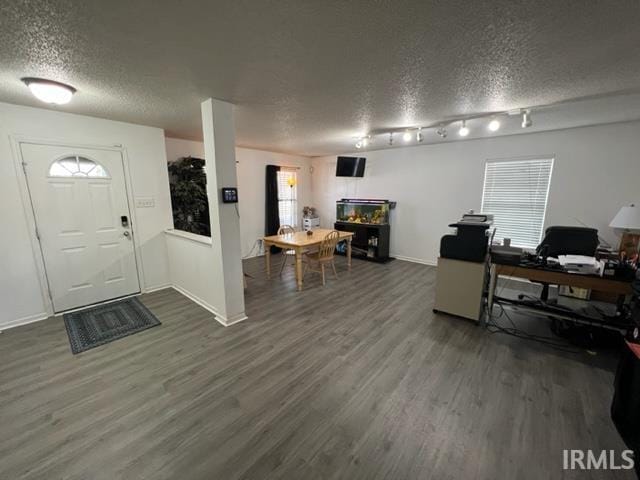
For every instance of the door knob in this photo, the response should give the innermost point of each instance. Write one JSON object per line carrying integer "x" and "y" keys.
{"x": 126, "y": 233}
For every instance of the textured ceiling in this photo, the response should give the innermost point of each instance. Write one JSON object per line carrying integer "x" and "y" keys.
{"x": 307, "y": 76}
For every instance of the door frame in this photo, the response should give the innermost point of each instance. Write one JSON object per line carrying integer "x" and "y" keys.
{"x": 27, "y": 205}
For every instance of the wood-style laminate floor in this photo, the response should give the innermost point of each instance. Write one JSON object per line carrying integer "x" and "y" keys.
{"x": 357, "y": 380}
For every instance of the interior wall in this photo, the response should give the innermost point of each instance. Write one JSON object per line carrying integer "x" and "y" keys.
{"x": 251, "y": 190}
{"x": 191, "y": 270}
{"x": 595, "y": 173}
{"x": 20, "y": 291}
{"x": 177, "y": 148}
{"x": 251, "y": 165}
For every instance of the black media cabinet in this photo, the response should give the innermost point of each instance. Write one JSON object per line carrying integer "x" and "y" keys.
{"x": 370, "y": 241}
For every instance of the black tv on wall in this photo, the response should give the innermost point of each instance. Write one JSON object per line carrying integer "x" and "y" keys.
{"x": 350, "y": 167}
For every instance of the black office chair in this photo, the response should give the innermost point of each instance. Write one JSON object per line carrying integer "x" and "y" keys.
{"x": 568, "y": 241}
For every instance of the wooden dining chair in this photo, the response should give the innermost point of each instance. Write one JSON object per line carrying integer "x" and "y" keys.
{"x": 286, "y": 253}
{"x": 317, "y": 260}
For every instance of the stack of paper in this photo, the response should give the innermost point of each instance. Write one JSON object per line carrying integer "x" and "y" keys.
{"x": 581, "y": 264}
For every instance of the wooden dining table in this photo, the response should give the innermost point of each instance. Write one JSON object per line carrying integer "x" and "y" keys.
{"x": 299, "y": 242}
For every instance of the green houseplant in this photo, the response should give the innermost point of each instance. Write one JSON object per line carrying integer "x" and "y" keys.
{"x": 190, "y": 205}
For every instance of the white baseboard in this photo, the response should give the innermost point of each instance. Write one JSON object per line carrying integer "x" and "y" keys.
{"x": 399, "y": 257}
{"x": 414, "y": 260}
{"x": 24, "y": 321}
{"x": 227, "y": 322}
{"x": 224, "y": 321}
{"x": 219, "y": 318}
{"x": 155, "y": 288}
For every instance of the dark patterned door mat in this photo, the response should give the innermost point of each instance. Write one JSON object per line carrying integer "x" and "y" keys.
{"x": 96, "y": 326}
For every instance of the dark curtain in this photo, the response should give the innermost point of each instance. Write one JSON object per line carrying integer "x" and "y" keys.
{"x": 272, "y": 215}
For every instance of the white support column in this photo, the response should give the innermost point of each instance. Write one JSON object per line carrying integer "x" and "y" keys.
{"x": 220, "y": 166}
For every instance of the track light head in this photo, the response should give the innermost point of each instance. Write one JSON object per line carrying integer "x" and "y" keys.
{"x": 441, "y": 132}
{"x": 390, "y": 138}
{"x": 464, "y": 130}
{"x": 363, "y": 142}
{"x": 526, "y": 119}
{"x": 406, "y": 136}
{"x": 494, "y": 125}
{"x": 419, "y": 136}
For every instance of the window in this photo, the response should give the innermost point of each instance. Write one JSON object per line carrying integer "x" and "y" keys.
{"x": 77, "y": 166}
{"x": 288, "y": 197}
{"x": 516, "y": 192}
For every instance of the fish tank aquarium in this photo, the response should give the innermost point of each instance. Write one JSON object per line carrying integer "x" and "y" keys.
{"x": 372, "y": 212}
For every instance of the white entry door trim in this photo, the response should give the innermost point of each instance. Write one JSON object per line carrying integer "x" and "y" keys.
{"x": 16, "y": 143}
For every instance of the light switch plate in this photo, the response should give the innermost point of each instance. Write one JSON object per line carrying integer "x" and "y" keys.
{"x": 145, "y": 202}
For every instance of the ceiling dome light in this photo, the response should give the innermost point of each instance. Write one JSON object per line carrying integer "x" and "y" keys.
{"x": 464, "y": 130}
{"x": 494, "y": 125}
{"x": 49, "y": 91}
{"x": 406, "y": 136}
{"x": 526, "y": 119}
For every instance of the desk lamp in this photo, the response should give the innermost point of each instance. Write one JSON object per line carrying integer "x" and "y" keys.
{"x": 628, "y": 220}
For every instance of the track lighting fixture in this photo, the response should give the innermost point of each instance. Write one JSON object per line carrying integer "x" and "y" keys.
{"x": 464, "y": 130}
{"x": 494, "y": 118}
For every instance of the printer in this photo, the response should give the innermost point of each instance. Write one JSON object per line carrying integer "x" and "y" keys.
{"x": 470, "y": 240}
{"x": 462, "y": 269}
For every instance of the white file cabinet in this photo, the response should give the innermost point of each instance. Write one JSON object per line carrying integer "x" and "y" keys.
{"x": 459, "y": 288}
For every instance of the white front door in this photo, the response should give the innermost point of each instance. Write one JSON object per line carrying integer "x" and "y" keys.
{"x": 83, "y": 222}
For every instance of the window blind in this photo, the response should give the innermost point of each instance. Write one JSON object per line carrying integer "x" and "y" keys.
{"x": 516, "y": 193}
{"x": 287, "y": 197}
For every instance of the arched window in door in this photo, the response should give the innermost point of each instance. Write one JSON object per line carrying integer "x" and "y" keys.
{"x": 77, "y": 166}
